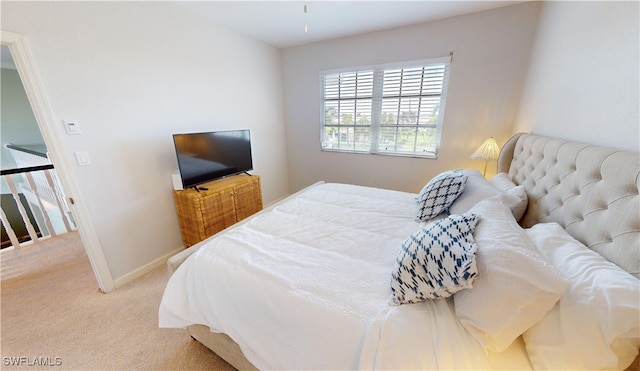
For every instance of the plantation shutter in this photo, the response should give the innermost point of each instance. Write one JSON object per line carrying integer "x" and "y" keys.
{"x": 386, "y": 109}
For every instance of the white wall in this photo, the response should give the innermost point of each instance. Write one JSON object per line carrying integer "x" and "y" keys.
{"x": 132, "y": 74}
{"x": 583, "y": 80}
{"x": 491, "y": 52}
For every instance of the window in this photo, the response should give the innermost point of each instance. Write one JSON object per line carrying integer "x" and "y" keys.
{"x": 385, "y": 109}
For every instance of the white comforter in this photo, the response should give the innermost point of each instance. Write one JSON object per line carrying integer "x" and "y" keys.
{"x": 307, "y": 286}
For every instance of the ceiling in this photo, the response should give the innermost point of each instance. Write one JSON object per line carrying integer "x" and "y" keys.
{"x": 281, "y": 23}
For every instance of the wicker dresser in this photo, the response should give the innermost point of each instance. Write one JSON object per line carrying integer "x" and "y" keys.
{"x": 225, "y": 202}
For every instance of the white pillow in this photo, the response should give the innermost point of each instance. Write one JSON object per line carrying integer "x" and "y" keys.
{"x": 436, "y": 261}
{"x": 515, "y": 286}
{"x": 506, "y": 185}
{"x": 476, "y": 189}
{"x": 439, "y": 193}
{"x": 502, "y": 181}
{"x": 596, "y": 323}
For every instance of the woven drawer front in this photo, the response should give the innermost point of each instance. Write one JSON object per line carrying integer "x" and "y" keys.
{"x": 225, "y": 202}
{"x": 218, "y": 211}
{"x": 248, "y": 199}
{"x": 190, "y": 218}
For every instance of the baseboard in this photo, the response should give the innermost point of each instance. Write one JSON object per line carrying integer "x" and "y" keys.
{"x": 132, "y": 276}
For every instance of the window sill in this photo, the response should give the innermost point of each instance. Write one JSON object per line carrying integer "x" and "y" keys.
{"x": 427, "y": 155}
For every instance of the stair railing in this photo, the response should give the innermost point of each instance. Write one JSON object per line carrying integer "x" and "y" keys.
{"x": 39, "y": 198}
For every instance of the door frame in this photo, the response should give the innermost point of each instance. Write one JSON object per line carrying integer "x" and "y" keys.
{"x": 21, "y": 54}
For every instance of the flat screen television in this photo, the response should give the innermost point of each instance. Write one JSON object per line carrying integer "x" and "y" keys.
{"x": 203, "y": 157}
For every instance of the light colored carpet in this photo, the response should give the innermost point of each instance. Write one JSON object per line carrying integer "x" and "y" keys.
{"x": 52, "y": 311}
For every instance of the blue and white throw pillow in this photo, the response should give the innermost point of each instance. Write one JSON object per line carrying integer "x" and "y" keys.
{"x": 440, "y": 193}
{"x": 437, "y": 261}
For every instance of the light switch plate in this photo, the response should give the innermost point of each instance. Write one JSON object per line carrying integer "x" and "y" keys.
{"x": 82, "y": 158}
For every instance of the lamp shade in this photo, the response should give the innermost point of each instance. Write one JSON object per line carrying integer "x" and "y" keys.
{"x": 488, "y": 151}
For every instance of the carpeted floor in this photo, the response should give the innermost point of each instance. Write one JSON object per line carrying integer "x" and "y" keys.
{"x": 53, "y": 312}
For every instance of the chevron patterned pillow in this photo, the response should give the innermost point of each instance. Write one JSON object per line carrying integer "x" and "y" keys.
{"x": 436, "y": 261}
{"x": 440, "y": 193}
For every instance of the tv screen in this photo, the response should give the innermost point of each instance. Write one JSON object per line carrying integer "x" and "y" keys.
{"x": 203, "y": 157}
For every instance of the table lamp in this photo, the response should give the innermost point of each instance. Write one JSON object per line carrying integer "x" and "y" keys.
{"x": 488, "y": 151}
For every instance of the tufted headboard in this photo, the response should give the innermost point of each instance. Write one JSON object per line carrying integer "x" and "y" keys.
{"x": 591, "y": 191}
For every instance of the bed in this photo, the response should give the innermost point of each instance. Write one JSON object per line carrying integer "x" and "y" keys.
{"x": 541, "y": 271}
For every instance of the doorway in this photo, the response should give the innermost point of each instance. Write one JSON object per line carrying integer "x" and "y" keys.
{"x": 37, "y": 209}
{"x": 19, "y": 51}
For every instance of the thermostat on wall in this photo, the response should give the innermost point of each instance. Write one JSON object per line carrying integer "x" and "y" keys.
{"x": 72, "y": 127}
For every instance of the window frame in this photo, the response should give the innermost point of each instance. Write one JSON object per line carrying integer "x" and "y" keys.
{"x": 377, "y": 98}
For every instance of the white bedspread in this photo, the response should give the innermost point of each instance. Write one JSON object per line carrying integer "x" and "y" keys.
{"x": 307, "y": 286}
